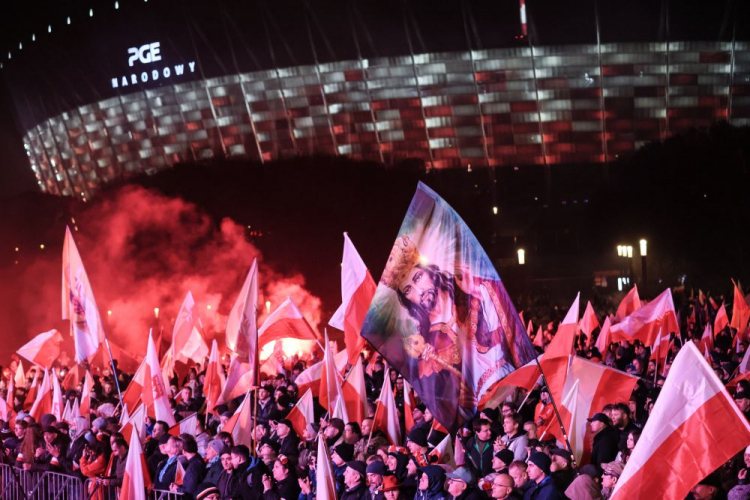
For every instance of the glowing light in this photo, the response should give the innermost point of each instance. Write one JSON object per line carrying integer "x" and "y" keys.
{"x": 644, "y": 247}
{"x": 521, "y": 256}
{"x": 156, "y": 312}
{"x": 109, "y": 313}
{"x": 17, "y": 249}
{"x": 494, "y": 210}
{"x": 620, "y": 250}
{"x": 68, "y": 20}
{"x": 268, "y": 306}
{"x": 208, "y": 307}
{"x": 289, "y": 347}
{"x": 41, "y": 246}
{"x": 91, "y": 12}
{"x": 629, "y": 251}
{"x": 33, "y": 37}
{"x": 20, "y": 45}
{"x": 424, "y": 260}
{"x": 117, "y": 5}
{"x": 49, "y": 28}
{"x": 619, "y": 284}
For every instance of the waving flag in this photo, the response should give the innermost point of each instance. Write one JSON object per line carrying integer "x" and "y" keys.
{"x": 329, "y": 388}
{"x": 630, "y": 303}
{"x": 687, "y": 435}
{"x": 154, "y": 390}
{"x": 242, "y": 323}
{"x": 187, "y": 321}
{"x": 240, "y": 424}
{"x": 357, "y": 291}
{"x": 310, "y": 378}
{"x": 43, "y": 349}
{"x": 386, "y": 413}
{"x": 240, "y": 378}
{"x": 57, "y": 398}
{"x": 603, "y": 340}
{"x": 284, "y": 323}
{"x": 324, "y": 482}
{"x": 78, "y": 303}
{"x": 645, "y": 323}
{"x": 136, "y": 478}
{"x": 722, "y": 320}
{"x": 302, "y": 415}
{"x": 43, "y": 401}
{"x": 707, "y": 340}
{"x": 354, "y": 392}
{"x": 526, "y": 377}
{"x": 589, "y": 323}
{"x": 212, "y": 381}
{"x": 441, "y": 316}
{"x": 740, "y": 311}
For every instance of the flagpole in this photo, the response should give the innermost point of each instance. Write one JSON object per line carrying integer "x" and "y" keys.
{"x": 114, "y": 370}
{"x": 557, "y": 414}
{"x": 375, "y": 416}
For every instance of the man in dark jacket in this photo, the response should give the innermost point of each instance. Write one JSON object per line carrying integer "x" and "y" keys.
{"x": 479, "y": 448}
{"x": 462, "y": 485}
{"x": 288, "y": 440}
{"x": 606, "y": 439}
{"x": 195, "y": 469}
{"x": 539, "y": 472}
{"x": 267, "y": 410}
{"x": 518, "y": 471}
{"x": 562, "y": 470}
{"x": 156, "y": 458}
{"x": 214, "y": 451}
{"x": 355, "y": 479}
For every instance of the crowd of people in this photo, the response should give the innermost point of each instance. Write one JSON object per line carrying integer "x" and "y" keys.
{"x": 506, "y": 451}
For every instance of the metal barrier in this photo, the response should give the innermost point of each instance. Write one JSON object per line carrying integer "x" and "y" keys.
{"x": 96, "y": 489}
{"x": 166, "y": 495}
{"x": 18, "y": 484}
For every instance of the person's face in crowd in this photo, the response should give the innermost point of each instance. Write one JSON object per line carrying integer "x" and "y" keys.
{"x": 743, "y": 404}
{"x": 417, "y": 414}
{"x": 210, "y": 453}
{"x": 237, "y": 460}
{"x": 351, "y": 477}
{"x": 20, "y": 431}
{"x": 501, "y": 487}
{"x": 263, "y": 394}
{"x": 392, "y": 495}
{"x": 282, "y": 430}
{"x": 608, "y": 480}
{"x": 185, "y": 393}
{"x": 226, "y": 462}
{"x": 278, "y": 394}
{"x": 427, "y": 415}
{"x": 535, "y": 473}
{"x": 747, "y": 459}
{"x": 424, "y": 482}
{"x": 413, "y": 447}
{"x": 631, "y": 441}
{"x": 330, "y": 432}
{"x": 374, "y": 480}
{"x": 519, "y": 475}
{"x": 484, "y": 433}
{"x": 530, "y": 429}
{"x": 399, "y": 384}
{"x": 650, "y": 408}
{"x": 164, "y": 447}
{"x": 120, "y": 451}
{"x": 618, "y": 417}
{"x": 497, "y": 464}
{"x": 267, "y": 453}
{"x": 411, "y": 468}
{"x": 596, "y": 426}
{"x": 507, "y": 410}
{"x": 366, "y": 426}
{"x": 633, "y": 406}
{"x": 559, "y": 463}
{"x": 349, "y": 435}
{"x": 49, "y": 437}
{"x": 391, "y": 463}
{"x": 456, "y": 487}
{"x": 703, "y": 492}
{"x": 308, "y": 434}
{"x": 336, "y": 459}
{"x": 419, "y": 288}
{"x": 279, "y": 471}
{"x": 158, "y": 431}
{"x": 510, "y": 427}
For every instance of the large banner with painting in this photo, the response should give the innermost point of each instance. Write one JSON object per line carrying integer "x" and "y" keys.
{"x": 441, "y": 316}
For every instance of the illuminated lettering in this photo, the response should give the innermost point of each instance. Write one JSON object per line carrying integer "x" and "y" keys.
{"x": 151, "y": 52}
{"x": 154, "y": 74}
{"x": 147, "y": 54}
{"x": 179, "y": 69}
{"x": 192, "y": 66}
{"x": 167, "y": 72}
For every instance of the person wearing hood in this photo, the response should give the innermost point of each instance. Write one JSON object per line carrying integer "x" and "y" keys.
{"x": 431, "y": 481}
{"x": 463, "y": 486}
{"x": 398, "y": 459}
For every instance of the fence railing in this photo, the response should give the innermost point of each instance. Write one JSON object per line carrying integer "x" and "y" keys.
{"x": 18, "y": 484}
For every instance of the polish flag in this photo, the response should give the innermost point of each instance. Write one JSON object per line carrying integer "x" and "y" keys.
{"x": 660, "y": 348}
{"x": 743, "y": 371}
{"x": 530, "y": 328}
{"x": 57, "y": 397}
{"x": 32, "y": 392}
{"x": 645, "y": 323}
{"x": 132, "y": 395}
{"x": 555, "y": 362}
{"x": 10, "y": 399}
{"x": 182, "y": 333}
{"x": 443, "y": 453}
{"x": 409, "y": 405}
{"x": 588, "y": 388}
{"x": 78, "y": 303}
{"x": 179, "y": 474}
{"x": 154, "y": 391}
{"x": 740, "y": 311}
{"x": 329, "y": 388}
{"x": 310, "y": 378}
{"x": 722, "y": 320}
{"x": 43, "y": 349}
{"x": 88, "y": 386}
{"x": 187, "y": 425}
{"x": 589, "y": 323}
{"x": 603, "y": 340}
{"x": 195, "y": 349}
{"x": 539, "y": 338}
{"x": 325, "y": 485}
{"x": 339, "y": 406}
{"x": 386, "y": 413}
{"x": 75, "y": 410}
{"x": 285, "y": 322}
{"x": 707, "y": 340}
{"x": 525, "y": 377}
{"x": 355, "y": 393}
{"x": 357, "y": 291}
{"x": 136, "y": 479}
{"x": 5, "y": 410}
{"x": 302, "y": 415}
{"x": 20, "y": 376}
{"x": 43, "y": 401}
{"x": 66, "y": 416}
{"x": 242, "y": 323}
{"x": 686, "y": 437}
{"x": 135, "y": 421}
{"x": 274, "y": 365}
{"x": 459, "y": 453}
{"x": 212, "y": 381}
{"x": 630, "y": 303}
{"x": 72, "y": 378}
{"x": 239, "y": 380}
{"x": 240, "y": 424}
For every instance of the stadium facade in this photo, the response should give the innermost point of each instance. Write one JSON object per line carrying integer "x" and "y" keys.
{"x": 154, "y": 106}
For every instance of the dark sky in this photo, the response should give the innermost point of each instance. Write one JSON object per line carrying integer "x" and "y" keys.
{"x": 440, "y": 27}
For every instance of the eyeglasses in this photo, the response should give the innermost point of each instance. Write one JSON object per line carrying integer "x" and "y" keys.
{"x": 502, "y": 486}
{"x": 608, "y": 474}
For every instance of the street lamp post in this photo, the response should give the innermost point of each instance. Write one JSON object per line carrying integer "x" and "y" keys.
{"x": 644, "y": 285}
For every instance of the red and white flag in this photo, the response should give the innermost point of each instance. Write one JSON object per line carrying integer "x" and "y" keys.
{"x": 274, "y": 364}
{"x": 239, "y": 380}
{"x": 539, "y": 338}
{"x": 722, "y": 320}
{"x": 330, "y": 389}
{"x": 57, "y": 398}
{"x": 660, "y": 349}
{"x": 78, "y": 303}
{"x": 459, "y": 453}
{"x": 740, "y": 311}
{"x": 525, "y": 377}
{"x": 409, "y": 405}
{"x": 28, "y": 402}
{"x": 135, "y": 421}
{"x": 20, "y": 376}
{"x": 529, "y": 327}
{"x": 302, "y": 415}
{"x": 357, "y": 291}
{"x": 43, "y": 349}
{"x": 603, "y": 340}
{"x": 310, "y": 378}
{"x": 10, "y": 398}
{"x": 5, "y": 410}
{"x": 588, "y": 388}
{"x": 43, "y": 401}
{"x": 707, "y": 340}
{"x": 187, "y": 425}
{"x": 196, "y": 349}
{"x": 355, "y": 393}
{"x": 240, "y": 424}
{"x": 72, "y": 378}
{"x": 686, "y": 437}
{"x": 212, "y": 382}
{"x": 443, "y": 453}
{"x": 154, "y": 390}
{"x": 630, "y": 303}
{"x": 589, "y": 323}
{"x": 136, "y": 478}
{"x": 284, "y": 323}
{"x": 182, "y": 333}
{"x": 242, "y": 323}
{"x": 386, "y": 413}
{"x": 555, "y": 361}
{"x": 324, "y": 477}
{"x": 134, "y": 392}
{"x": 179, "y": 474}
{"x": 645, "y": 323}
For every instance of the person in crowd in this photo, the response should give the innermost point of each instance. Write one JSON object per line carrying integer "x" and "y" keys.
{"x": 390, "y": 489}
{"x": 416, "y": 443}
{"x": 267, "y": 410}
{"x": 283, "y": 484}
{"x": 228, "y": 482}
{"x": 215, "y": 449}
{"x": 375, "y": 471}
{"x": 166, "y": 470}
{"x": 153, "y": 442}
{"x": 610, "y": 476}
{"x": 587, "y": 485}
{"x": 515, "y": 438}
{"x": 539, "y": 471}
{"x": 195, "y": 468}
{"x": 479, "y": 448}
{"x": 622, "y": 422}
{"x": 334, "y": 432}
{"x": 288, "y": 440}
{"x": 630, "y": 443}
{"x": 562, "y": 468}
{"x": 462, "y": 485}
{"x": 355, "y": 481}
{"x": 501, "y": 461}
{"x": 606, "y": 439}
{"x": 431, "y": 483}
{"x": 531, "y": 430}
{"x": 342, "y": 454}
{"x": 518, "y": 470}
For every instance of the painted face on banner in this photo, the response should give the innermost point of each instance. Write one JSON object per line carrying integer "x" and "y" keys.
{"x": 419, "y": 288}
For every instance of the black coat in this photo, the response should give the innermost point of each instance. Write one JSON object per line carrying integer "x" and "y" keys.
{"x": 480, "y": 460}
{"x": 195, "y": 471}
{"x": 167, "y": 472}
{"x": 546, "y": 490}
{"x": 287, "y": 489}
{"x": 361, "y": 492}
{"x": 606, "y": 446}
{"x": 213, "y": 472}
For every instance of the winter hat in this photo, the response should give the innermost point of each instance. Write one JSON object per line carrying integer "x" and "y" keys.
{"x": 345, "y": 451}
{"x": 376, "y": 467}
{"x": 358, "y": 466}
{"x": 542, "y": 461}
{"x": 418, "y": 436}
{"x": 205, "y": 489}
{"x": 218, "y": 446}
{"x": 100, "y": 423}
{"x": 506, "y": 456}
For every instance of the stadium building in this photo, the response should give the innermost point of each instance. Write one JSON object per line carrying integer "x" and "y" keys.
{"x": 133, "y": 86}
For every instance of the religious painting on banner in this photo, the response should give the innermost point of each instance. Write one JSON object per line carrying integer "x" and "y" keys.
{"x": 441, "y": 316}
